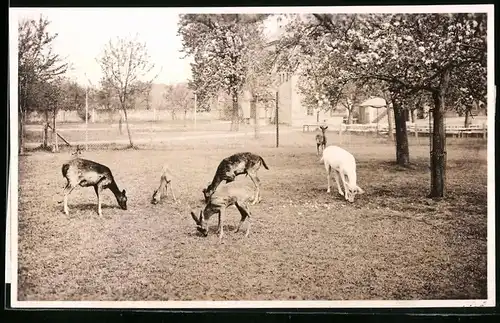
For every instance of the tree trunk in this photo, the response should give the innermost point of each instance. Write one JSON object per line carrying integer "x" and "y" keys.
{"x": 412, "y": 116}
{"x": 402, "y": 149}
{"x": 467, "y": 116}
{"x": 55, "y": 147}
{"x": 235, "y": 122}
{"x": 438, "y": 152}
{"x": 21, "y": 120}
{"x": 256, "y": 118}
{"x": 390, "y": 131}
{"x": 349, "y": 115}
{"x": 45, "y": 144}
{"x": 120, "y": 124}
{"x": 128, "y": 128}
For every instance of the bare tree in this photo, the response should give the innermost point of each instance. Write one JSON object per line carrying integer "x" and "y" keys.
{"x": 126, "y": 67}
{"x": 37, "y": 64}
{"x": 179, "y": 97}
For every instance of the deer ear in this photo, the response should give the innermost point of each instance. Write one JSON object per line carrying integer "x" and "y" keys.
{"x": 201, "y": 214}
{"x": 123, "y": 192}
{"x": 326, "y": 127}
{"x": 360, "y": 190}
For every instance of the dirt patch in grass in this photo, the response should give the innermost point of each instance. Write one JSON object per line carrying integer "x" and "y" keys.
{"x": 392, "y": 243}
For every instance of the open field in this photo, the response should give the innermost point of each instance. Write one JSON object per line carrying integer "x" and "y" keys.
{"x": 392, "y": 243}
{"x": 163, "y": 131}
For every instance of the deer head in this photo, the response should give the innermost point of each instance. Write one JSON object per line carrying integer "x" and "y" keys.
{"x": 122, "y": 200}
{"x": 155, "y": 199}
{"x": 351, "y": 192}
{"x": 323, "y": 129}
{"x": 201, "y": 223}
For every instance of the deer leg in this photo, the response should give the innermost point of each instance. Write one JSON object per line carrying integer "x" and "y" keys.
{"x": 342, "y": 177}
{"x": 218, "y": 223}
{"x": 337, "y": 180}
{"x": 67, "y": 190}
{"x": 317, "y": 149}
{"x": 97, "y": 190}
{"x": 256, "y": 182}
{"x": 328, "y": 175}
{"x": 161, "y": 189}
{"x": 222, "y": 212}
{"x": 245, "y": 213}
{"x": 172, "y": 190}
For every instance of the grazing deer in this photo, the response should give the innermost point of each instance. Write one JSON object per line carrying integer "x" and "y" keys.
{"x": 85, "y": 173}
{"x": 343, "y": 165}
{"x": 321, "y": 139}
{"x": 165, "y": 183}
{"x": 232, "y": 166}
{"x": 219, "y": 202}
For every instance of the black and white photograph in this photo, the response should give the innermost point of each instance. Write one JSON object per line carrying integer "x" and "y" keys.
{"x": 252, "y": 157}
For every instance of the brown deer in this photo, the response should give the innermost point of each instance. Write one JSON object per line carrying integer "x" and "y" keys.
{"x": 321, "y": 139}
{"x": 234, "y": 165}
{"x": 85, "y": 173}
{"x": 219, "y": 202}
{"x": 165, "y": 183}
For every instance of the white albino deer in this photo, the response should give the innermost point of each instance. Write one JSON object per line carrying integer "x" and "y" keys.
{"x": 85, "y": 173}
{"x": 343, "y": 165}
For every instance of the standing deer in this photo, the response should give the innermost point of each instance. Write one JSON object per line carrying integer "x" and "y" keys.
{"x": 321, "y": 139}
{"x": 219, "y": 202}
{"x": 165, "y": 183}
{"x": 85, "y": 173}
{"x": 232, "y": 166}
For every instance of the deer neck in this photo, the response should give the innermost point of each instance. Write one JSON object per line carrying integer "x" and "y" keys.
{"x": 114, "y": 188}
{"x": 215, "y": 183}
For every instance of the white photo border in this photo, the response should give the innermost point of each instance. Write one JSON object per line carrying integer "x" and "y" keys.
{"x": 14, "y": 163}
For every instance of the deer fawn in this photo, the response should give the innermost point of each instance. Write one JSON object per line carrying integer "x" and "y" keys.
{"x": 85, "y": 173}
{"x": 219, "y": 202}
{"x": 232, "y": 166}
{"x": 321, "y": 139}
{"x": 165, "y": 183}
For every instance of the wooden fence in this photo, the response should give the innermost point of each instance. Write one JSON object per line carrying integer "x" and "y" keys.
{"x": 412, "y": 128}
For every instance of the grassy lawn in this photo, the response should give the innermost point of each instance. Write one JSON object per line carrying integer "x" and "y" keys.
{"x": 392, "y": 243}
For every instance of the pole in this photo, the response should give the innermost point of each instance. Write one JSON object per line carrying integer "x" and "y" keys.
{"x": 195, "y": 103}
{"x": 277, "y": 122}
{"x": 86, "y": 118}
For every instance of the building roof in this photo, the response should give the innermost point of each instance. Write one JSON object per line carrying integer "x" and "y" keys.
{"x": 374, "y": 102}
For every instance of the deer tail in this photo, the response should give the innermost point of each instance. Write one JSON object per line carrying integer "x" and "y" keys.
{"x": 263, "y": 163}
{"x": 64, "y": 169}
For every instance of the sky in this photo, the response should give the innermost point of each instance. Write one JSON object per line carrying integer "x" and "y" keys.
{"x": 83, "y": 33}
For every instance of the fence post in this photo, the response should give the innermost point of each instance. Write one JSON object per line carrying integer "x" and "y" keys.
{"x": 416, "y": 129}
{"x": 340, "y": 133}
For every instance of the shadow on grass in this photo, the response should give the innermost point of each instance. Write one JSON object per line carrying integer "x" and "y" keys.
{"x": 93, "y": 207}
{"x": 418, "y": 166}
